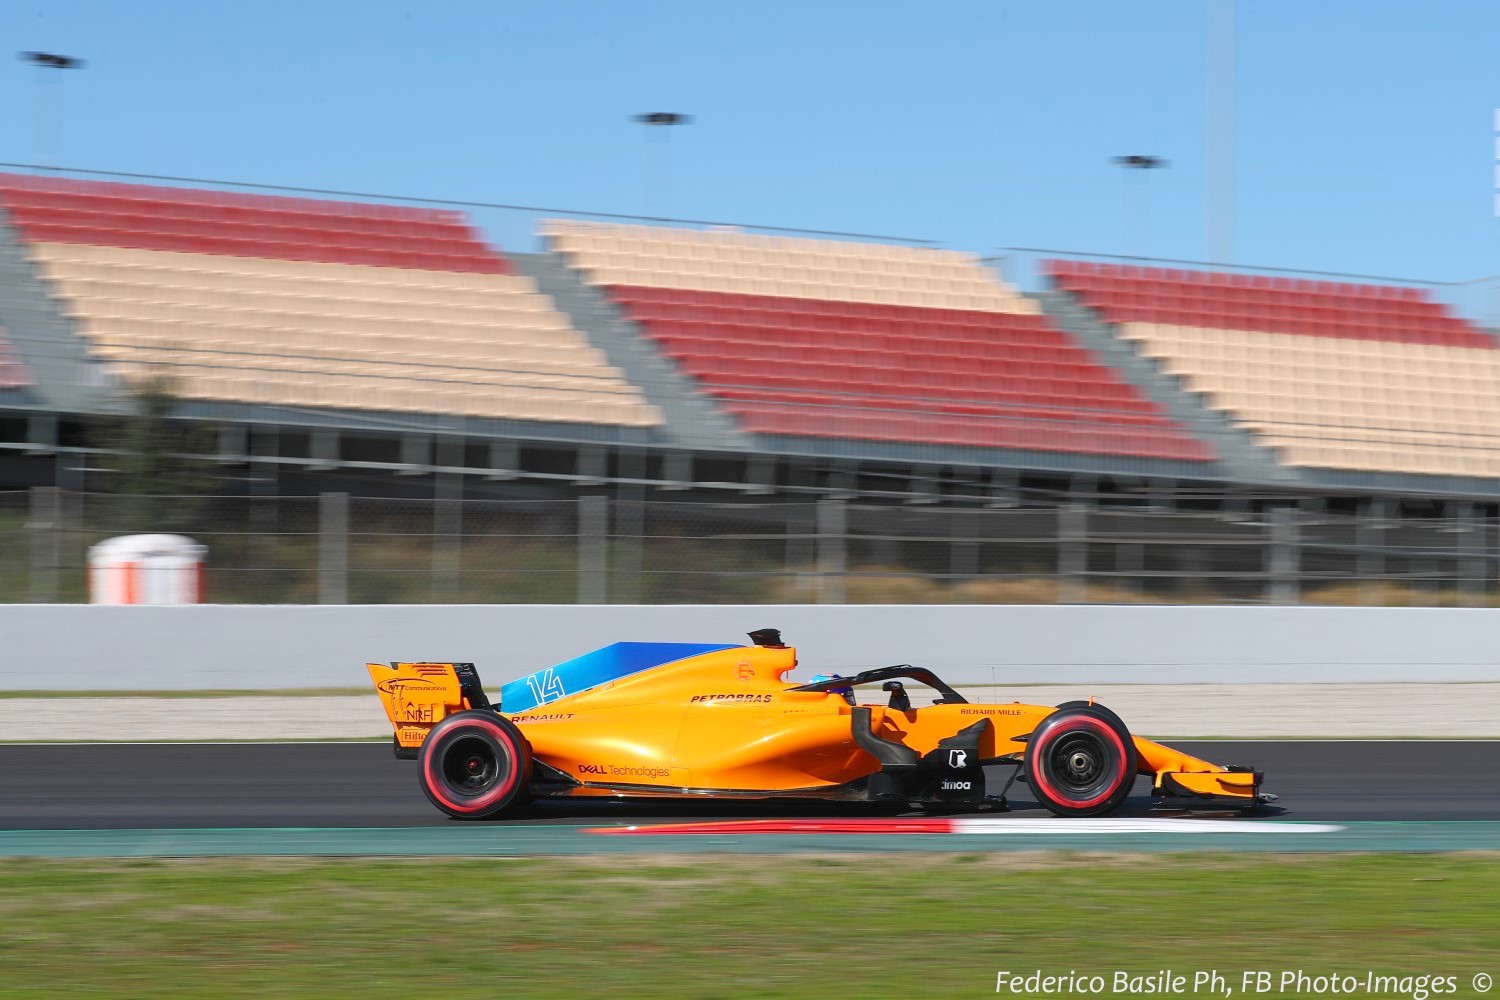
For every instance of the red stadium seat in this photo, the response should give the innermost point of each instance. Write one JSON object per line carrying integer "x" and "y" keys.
{"x": 61, "y": 210}
{"x": 816, "y": 368}
{"x": 1123, "y": 294}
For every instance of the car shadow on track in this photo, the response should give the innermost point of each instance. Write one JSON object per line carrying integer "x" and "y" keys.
{"x": 686, "y": 810}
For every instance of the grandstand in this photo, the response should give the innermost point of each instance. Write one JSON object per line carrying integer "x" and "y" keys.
{"x": 358, "y": 338}
{"x": 1369, "y": 379}
{"x": 812, "y": 338}
{"x": 299, "y": 303}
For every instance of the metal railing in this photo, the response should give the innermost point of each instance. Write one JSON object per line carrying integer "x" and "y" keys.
{"x": 337, "y": 549}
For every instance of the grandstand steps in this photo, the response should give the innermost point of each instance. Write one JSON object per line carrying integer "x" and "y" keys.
{"x": 1242, "y": 459}
{"x": 67, "y": 379}
{"x": 692, "y": 419}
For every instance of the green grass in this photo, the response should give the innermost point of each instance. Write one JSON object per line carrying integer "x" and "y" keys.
{"x": 722, "y": 926}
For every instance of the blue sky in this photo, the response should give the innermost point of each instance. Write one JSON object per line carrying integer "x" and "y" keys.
{"x": 1364, "y": 130}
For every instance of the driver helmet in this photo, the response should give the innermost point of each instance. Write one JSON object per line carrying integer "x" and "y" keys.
{"x": 847, "y": 692}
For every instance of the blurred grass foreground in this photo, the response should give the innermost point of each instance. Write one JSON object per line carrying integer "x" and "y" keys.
{"x": 912, "y": 925}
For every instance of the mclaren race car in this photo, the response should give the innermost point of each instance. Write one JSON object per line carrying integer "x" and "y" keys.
{"x": 637, "y": 719}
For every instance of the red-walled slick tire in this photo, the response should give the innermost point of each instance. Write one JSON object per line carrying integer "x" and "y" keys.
{"x": 1081, "y": 761}
{"x": 475, "y": 764}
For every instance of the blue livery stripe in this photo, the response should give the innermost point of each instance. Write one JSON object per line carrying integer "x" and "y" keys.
{"x": 610, "y": 663}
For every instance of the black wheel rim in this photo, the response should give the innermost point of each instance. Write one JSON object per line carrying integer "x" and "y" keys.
{"x": 470, "y": 765}
{"x": 1080, "y": 763}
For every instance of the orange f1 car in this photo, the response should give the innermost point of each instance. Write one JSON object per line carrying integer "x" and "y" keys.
{"x": 714, "y": 721}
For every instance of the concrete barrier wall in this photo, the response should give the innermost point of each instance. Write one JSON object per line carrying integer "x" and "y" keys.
{"x": 79, "y": 647}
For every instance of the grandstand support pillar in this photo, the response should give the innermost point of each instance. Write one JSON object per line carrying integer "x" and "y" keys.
{"x": 920, "y": 485}
{"x": 833, "y": 528}
{"x": 841, "y": 479}
{"x": 760, "y": 476}
{"x": 264, "y": 488}
{"x": 676, "y": 470}
{"x": 324, "y": 451}
{"x": 592, "y": 466}
{"x": 964, "y": 484}
{"x": 333, "y": 548}
{"x": 963, "y": 546}
{"x": 1283, "y": 558}
{"x": 1369, "y": 561}
{"x": 41, "y": 433}
{"x": 416, "y": 454}
{"x": 70, "y": 471}
{"x": 624, "y": 556}
{"x": 234, "y": 444}
{"x": 505, "y": 459}
{"x": 45, "y": 526}
{"x": 1004, "y": 489}
{"x": 447, "y": 521}
{"x": 593, "y": 550}
{"x": 801, "y": 549}
{"x": 1072, "y": 554}
{"x": 1473, "y": 556}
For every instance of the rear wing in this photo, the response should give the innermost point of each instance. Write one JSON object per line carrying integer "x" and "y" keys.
{"x": 417, "y": 696}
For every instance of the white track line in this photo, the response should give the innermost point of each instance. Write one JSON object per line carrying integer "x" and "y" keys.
{"x": 1064, "y": 827}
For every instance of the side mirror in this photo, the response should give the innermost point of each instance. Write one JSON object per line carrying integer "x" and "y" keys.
{"x": 900, "y": 700}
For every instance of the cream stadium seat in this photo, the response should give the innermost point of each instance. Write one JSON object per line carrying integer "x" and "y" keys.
{"x": 697, "y": 260}
{"x": 297, "y": 333}
{"x": 1410, "y": 397}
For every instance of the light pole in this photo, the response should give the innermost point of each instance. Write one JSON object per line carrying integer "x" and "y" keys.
{"x": 1137, "y": 221}
{"x": 47, "y": 118}
{"x": 661, "y": 121}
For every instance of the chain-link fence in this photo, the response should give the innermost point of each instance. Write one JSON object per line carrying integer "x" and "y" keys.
{"x": 334, "y": 549}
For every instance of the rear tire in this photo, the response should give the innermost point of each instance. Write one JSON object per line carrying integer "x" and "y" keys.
{"x": 474, "y": 765}
{"x": 1080, "y": 761}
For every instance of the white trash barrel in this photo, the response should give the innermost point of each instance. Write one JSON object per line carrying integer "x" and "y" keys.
{"x": 146, "y": 569}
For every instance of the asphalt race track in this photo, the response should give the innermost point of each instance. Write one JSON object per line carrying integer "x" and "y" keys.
{"x": 360, "y": 785}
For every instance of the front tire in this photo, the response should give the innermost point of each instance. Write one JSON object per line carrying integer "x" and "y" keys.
{"x": 474, "y": 765}
{"x": 1080, "y": 761}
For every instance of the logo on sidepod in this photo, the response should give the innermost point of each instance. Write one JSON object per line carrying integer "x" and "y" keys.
{"x": 740, "y": 698}
{"x": 744, "y": 671}
{"x": 957, "y": 786}
{"x": 624, "y": 770}
{"x": 958, "y": 759}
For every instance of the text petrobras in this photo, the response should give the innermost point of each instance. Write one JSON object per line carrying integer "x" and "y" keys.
{"x": 1255, "y": 982}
